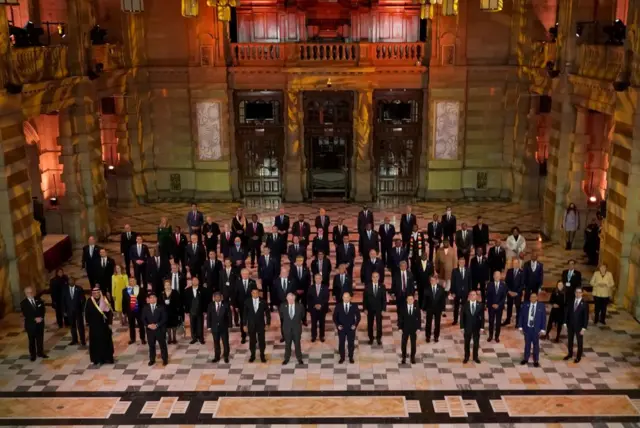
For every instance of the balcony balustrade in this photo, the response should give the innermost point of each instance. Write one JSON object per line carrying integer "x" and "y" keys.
{"x": 110, "y": 55}
{"x": 38, "y": 64}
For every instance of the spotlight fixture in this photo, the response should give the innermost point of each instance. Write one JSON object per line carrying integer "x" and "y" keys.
{"x": 616, "y": 33}
{"x": 98, "y": 35}
{"x": 329, "y": 82}
{"x": 111, "y": 167}
{"x": 53, "y": 201}
{"x": 62, "y": 32}
{"x": 592, "y": 199}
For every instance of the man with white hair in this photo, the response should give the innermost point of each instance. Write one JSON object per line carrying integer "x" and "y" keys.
{"x": 291, "y": 316}
{"x": 33, "y": 311}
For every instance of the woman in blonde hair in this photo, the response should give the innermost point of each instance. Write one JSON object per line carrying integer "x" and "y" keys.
{"x": 119, "y": 281}
{"x": 164, "y": 237}
{"x": 602, "y": 283}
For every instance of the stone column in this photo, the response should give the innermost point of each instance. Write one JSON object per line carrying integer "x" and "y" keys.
{"x": 84, "y": 206}
{"x": 363, "y": 157}
{"x": 294, "y": 165}
{"x": 525, "y": 167}
{"x": 5, "y": 53}
{"x": 80, "y": 21}
{"x": 576, "y": 176}
{"x": 21, "y": 259}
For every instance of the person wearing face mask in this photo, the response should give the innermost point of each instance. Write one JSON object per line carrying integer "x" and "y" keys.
{"x": 603, "y": 285}
{"x": 570, "y": 224}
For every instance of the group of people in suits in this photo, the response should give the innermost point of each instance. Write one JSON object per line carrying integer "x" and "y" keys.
{"x": 182, "y": 277}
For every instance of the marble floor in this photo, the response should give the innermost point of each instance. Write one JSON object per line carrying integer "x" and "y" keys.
{"x": 439, "y": 390}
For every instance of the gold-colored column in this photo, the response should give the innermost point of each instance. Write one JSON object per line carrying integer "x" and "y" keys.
{"x": 294, "y": 165}
{"x": 127, "y": 131}
{"x": 362, "y": 171}
{"x": 525, "y": 168}
{"x": 5, "y": 54}
{"x": 21, "y": 259}
{"x": 80, "y": 21}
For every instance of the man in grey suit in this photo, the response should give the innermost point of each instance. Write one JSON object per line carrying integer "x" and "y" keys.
{"x": 291, "y": 316}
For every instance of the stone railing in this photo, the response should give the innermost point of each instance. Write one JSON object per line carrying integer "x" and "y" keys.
{"x": 314, "y": 54}
{"x": 602, "y": 62}
{"x": 110, "y": 55}
{"x": 542, "y": 53}
{"x": 38, "y": 64}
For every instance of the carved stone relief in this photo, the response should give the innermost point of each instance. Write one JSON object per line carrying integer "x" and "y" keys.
{"x": 447, "y": 129}
{"x": 209, "y": 140}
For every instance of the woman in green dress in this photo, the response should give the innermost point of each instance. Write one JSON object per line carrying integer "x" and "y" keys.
{"x": 164, "y": 237}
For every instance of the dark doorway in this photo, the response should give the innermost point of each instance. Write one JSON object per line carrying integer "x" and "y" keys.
{"x": 328, "y": 131}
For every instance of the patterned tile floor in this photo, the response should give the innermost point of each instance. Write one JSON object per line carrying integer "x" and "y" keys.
{"x": 611, "y": 365}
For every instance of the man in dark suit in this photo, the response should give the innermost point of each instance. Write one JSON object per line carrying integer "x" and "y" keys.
{"x": 496, "y": 297}
{"x": 322, "y": 222}
{"x": 571, "y": 278}
{"x": 318, "y": 306}
{"x": 364, "y": 217}
{"x": 409, "y": 323}
{"x": 242, "y": 293}
{"x": 370, "y": 265}
{"x": 339, "y": 232}
{"x": 104, "y": 271}
{"x": 178, "y": 245}
{"x": 422, "y": 270}
{"x": 497, "y": 257}
{"x": 417, "y": 245}
{"x": 238, "y": 254}
{"x": 90, "y": 254}
{"x": 226, "y": 241}
{"x": 282, "y": 287}
{"x": 268, "y": 268}
{"x": 480, "y": 273}
{"x": 296, "y": 249}
{"x": 73, "y": 301}
{"x": 210, "y": 233}
{"x": 515, "y": 286}
{"x": 472, "y": 323}
{"x": 274, "y": 244}
{"x": 533, "y": 275}
{"x": 435, "y": 300}
{"x": 157, "y": 269}
{"x": 346, "y": 254}
{"x": 302, "y": 230}
{"x": 577, "y": 319}
{"x": 195, "y": 304}
{"x": 219, "y": 321}
{"x": 464, "y": 243}
{"x": 346, "y": 317}
{"x": 178, "y": 279}
{"x": 460, "y": 287}
{"x": 449, "y": 225}
{"x": 139, "y": 253}
{"x": 320, "y": 243}
{"x": 301, "y": 278}
{"x": 369, "y": 240}
{"x": 532, "y": 322}
{"x": 255, "y": 232}
{"x": 480, "y": 234}
{"x": 375, "y": 303}
{"x": 228, "y": 278}
{"x": 407, "y": 223}
{"x": 256, "y": 318}
{"x": 321, "y": 265}
{"x": 195, "y": 220}
{"x": 195, "y": 255}
{"x": 211, "y": 272}
{"x": 33, "y": 311}
{"x": 127, "y": 239}
{"x": 434, "y": 235}
{"x": 154, "y": 318}
{"x": 281, "y": 221}
{"x": 342, "y": 283}
{"x": 395, "y": 255}
{"x": 403, "y": 283}
{"x": 291, "y": 316}
{"x": 386, "y": 233}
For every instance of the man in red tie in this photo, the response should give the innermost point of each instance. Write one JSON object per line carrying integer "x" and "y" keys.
{"x": 178, "y": 245}
{"x": 255, "y": 232}
{"x": 226, "y": 241}
{"x": 403, "y": 283}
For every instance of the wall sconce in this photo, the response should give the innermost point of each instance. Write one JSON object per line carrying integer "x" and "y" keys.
{"x": 132, "y": 6}
{"x": 190, "y": 8}
{"x": 223, "y": 8}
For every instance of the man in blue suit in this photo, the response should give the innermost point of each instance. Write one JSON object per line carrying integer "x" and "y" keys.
{"x": 534, "y": 276}
{"x": 532, "y": 325}
{"x": 346, "y": 317}
{"x": 496, "y": 298}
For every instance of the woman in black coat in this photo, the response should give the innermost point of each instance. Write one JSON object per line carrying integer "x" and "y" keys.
{"x": 57, "y": 286}
{"x": 558, "y": 302}
{"x": 173, "y": 305}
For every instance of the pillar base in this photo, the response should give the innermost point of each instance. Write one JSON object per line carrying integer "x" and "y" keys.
{"x": 293, "y": 179}
{"x": 362, "y": 189}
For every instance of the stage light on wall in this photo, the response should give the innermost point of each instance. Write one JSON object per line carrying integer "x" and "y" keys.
{"x": 132, "y": 6}
{"x": 491, "y": 5}
{"x": 426, "y": 10}
{"x": 592, "y": 199}
{"x": 223, "y": 8}
{"x": 449, "y": 7}
{"x": 190, "y": 8}
{"x": 53, "y": 201}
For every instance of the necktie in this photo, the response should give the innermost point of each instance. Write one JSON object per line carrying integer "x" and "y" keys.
{"x": 194, "y": 248}
{"x": 575, "y": 305}
{"x": 91, "y": 250}
{"x": 217, "y": 308}
{"x": 153, "y": 308}
{"x": 266, "y": 260}
{"x": 515, "y": 272}
{"x": 281, "y": 218}
{"x": 275, "y": 236}
{"x": 291, "y": 311}
{"x": 342, "y": 279}
{"x": 255, "y": 305}
{"x": 228, "y": 273}
{"x": 177, "y": 238}
{"x": 322, "y": 219}
{"x": 317, "y": 289}
{"x": 284, "y": 285}
{"x": 346, "y": 308}
{"x": 158, "y": 261}
{"x": 245, "y": 285}
{"x": 464, "y": 235}
{"x": 33, "y": 302}
{"x": 398, "y": 250}
{"x": 301, "y": 228}
{"x": 296, "y": 247}
{"x": 227, "y": 236}
{"x": 462, "y": 272}
{"x": 71, "y": 291}
{"x": 404, "y": 282}
{"x": 473, "y": 308}
{"x": 255, "y": 227}
{"x": 386, "y": 228}
{"x": 299, "y": 272}
{"x": 434, "y": 290}
{"x": 104, "y": 262}
{"x": 211, "y": 263}
{"x": 175, "y": 281}
{"x": 375, "y": 289}
{"x": 532, "y": 311}
{"x": 369, "y": 234}
{"x": 320, "y": 267}
{"x": 410, "y": 310}
{"x": 139, "y": 249}
{"x": 346, "y": 248}
{"x": 570, "y": 275}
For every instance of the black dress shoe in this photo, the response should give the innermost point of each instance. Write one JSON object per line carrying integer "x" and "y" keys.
{"x": 243, "y": 341}
{"x": 436, "y": 340}
{"x": 300, "y": 362}
{"x": 505, "y": 323}
{"x": 379, "y": 341}
{"x": 151, "y": 363}
{"x": 226, "y": 360}
{"x": 285, "y": 362}
{"x": 489, "y": 339}
{"x": 263, "y": 359}
{"x": 131, "y": 342}
{"x": 577, "y": 360}
{"x": 351, "y": 360}
{"x": 536, "y": 364}
{"x": 165, "y": 362}
{"x": 252, "y": 359}
{"x": 75, "y": 342}
{"x": 43, "y": 356}
{"x": 282, "y": 340}
{"x": 465, "y": 361}
{"x": 193, "y": 341}
{"x": 370, "y": 341}
{"x": 322, "y": 339}
{"x": 556, "y": 341}
{"x": 567, "y": 358}
{"x": 428, "y": 339}
{"x": 413, "y": 360}
{"x": 32, "y": 358}
{"x": 341, "y": 361}
{"x": 454, "y": 323}
{"x": 313, "y": 339}
{"x": 523, "y": 362}
{"x": 144, "y": 342}
{"x": 403, "y": 361}
{"x": 476, "y": 360}
{"x": 215, "y": 360}
{"x": 497, "y": 340}
{"x": 202, "y": 342}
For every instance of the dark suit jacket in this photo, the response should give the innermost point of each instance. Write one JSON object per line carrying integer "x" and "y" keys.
{"x": 321, "y": 299}
{"x": 125, "y": 243}
{"x": 497, "y": 260}
{"x": 533, "y": 280}
{"x": 239, "y": 295}
{"x": 480, "y": 273}
{"x": 211, "y": 274}
{"x": 375, "y": 302}
{"x": 496, "y": 296}
{"x": 409, "y": 324}
{"x": 480, "y": 235}
{"x": 134, "y": 257}
{"x": 539, "y": 318}
{"x": 103, "y": 275}
{"x": 177, "y": 247}
{"x": 300, "y": 283}
{"x": 472, "y": 323}
{"x": 406, "y": 226}
{"x": 346, "y": 320}
{"x": 211, "y": 243}
{"x": 158, "y": 317}
{"x": 339, "y": 287}
{"x": 292, "y": 253}
{"x": 226, "y": 243}
{"x": 394, "y": 259}
{"x": 558, "y": 298}
{"x": 363, "y": 220}
{"x": 281, "y": 295}
{"x": 30, "y": 313}
{"x": 257, "y": 233}
{"x": 182, "y": 281}
{"x": 218, "y": 322}
{"x": 396, "y": 283}
{"x": 326, "y": 269}
{"x": 434, "y": 303}
{"x": 324, "y": 226}
{"x": 303, "y": 231}
{"x": 195, "y": 220}
{"x": 577, "y": 319}
{"x": 337, "y": 236}
{"x": 195, "y": 305}
{"x": 293, "y": 326}
{"x": 367, "y": 269}
{"x": 514, "y": 282}
{"x": 72, "y": 307}
{"x": 275, "y": 244}
{"x": 320, "y": 245}
{"x": 386, "y": 238}
{"x": 88, "y": 261}
{"x": 464, "y": 245}
{"x": 345, "y": 257}
{"x": 256, "y": 321}
{"x": 434, "y": 232}
{"x": 448, "y": 225}
{"x": 268, "y": 272}
{"x": 421, "y": 274}
{"x": 238, "y": 256}
{"x": 194, "y": 259}
{"x": 227, "y": 283}
{"x": 369, "y": 243}
{"x": 282, "y": 224}
{"x": 156, "y": 273}
{"x": 576, "y": 279}
{"x": 461, "y": 286}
